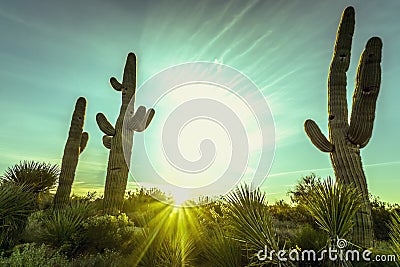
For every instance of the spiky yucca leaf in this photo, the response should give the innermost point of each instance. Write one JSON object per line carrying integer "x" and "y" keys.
{"x": 177, "y": 251}
{"x": 251, "y": 222}
{"x": 333, "y": 206}
{"x": 59, "y": 226}
{"x": 38, "y": 176}
{"x": 16, "y": 204}
{"x": 221, "y": 250}
{"x": 394, "y": 234}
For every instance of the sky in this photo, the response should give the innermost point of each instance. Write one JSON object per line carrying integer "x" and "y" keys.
{"x": 52, "y": 52}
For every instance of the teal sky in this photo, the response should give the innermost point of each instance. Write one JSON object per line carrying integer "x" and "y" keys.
{"x": 52, "y": 52}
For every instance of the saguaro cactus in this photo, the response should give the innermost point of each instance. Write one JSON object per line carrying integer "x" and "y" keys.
{"x": 119, "y": 139}
{"x": 75, "y": 145}
{"x": 347, "y": 138}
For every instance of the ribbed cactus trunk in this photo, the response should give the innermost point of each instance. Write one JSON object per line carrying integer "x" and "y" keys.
{"x": 76, "y": 143}
{"x": 346, "y": 139}
{"x": 119, "y": 139}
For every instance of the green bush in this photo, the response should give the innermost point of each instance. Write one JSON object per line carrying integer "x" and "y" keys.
{"x": 380, "y": 212}
{"x": 311, "y": 238}
{"x": 143, "y": 205}
{"x": 32, "y": 255}
{"x": 106, "y": 232}
{"x": 58, "y": 228}
{"x": 16, "y": 204}
{"x": 34, "y": 227}
{"x": 108, "y": 258}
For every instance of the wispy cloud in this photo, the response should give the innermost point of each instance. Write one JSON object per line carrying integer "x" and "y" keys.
{"x": 328, "y": 169}
{"x": 230, "y": 25}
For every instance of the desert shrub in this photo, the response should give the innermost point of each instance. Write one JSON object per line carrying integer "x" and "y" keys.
{"x": 106, "y": 232}
{"x": 16, "y": 204}
{"x": 303, "y": 188}
{"x": 108, "y": 258}
{"x": 220, "y": 250}
{"x": 58, "y": 228}
{"x": 211, "y": 216}
{"x": 37, "y": 176}
{"x": 95, "y": 201}
{"x": 310, "y": 238}
{"x": 32, "y": 255}
{"x": 295, "y": 213}
{"x": 381, "y": 215}
{"x": 143, "y": 205}
{"x": 34, "y": 227}
{"x": 286, "y": 232}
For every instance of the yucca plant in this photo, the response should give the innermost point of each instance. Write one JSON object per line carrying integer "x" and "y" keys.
{"x": 60, "y": 226}
{"x": 176, "y": 250}
{"x": 251, "y": 223}
{"x": 333, "y": 206}
{"x": 16, "y": 204}
{"x": 220, "y": 250}
{"x": 165, "y": 241}
{"x": 394, "y": 234}
{"x": 37, "y": 176}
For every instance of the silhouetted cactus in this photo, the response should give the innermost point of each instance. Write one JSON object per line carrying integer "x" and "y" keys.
{"x": 346, "y": 139}
{"x": 119, "y": 139}
{"x": 76, "y": 143}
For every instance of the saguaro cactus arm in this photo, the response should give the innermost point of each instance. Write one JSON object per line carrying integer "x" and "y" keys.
{"x": 337, "y": 80}
{"x": 107, "y": 141}
{"x": 84, "y": 141}
{"x": 317, "y": 137}
{"x": 104, "y": 125}
{"x": 128, "y": 85}
{"x": 141, "y": 119}
{"x": 366, "y": 93}
{"x": 116, "y": 84}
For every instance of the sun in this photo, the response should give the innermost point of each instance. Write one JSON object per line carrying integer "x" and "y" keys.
{"x": 180, "y": 197}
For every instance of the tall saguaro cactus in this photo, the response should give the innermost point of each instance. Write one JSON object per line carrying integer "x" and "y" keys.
{"x": 119, "y": 139}
{"x": 76, "y": 143}
{"x": 347, "y": 138}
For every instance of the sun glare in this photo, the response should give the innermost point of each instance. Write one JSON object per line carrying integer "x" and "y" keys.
{"x": 180, "y": 197}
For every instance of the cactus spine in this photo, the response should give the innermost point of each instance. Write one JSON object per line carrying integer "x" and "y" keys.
{"x": 346, "y": 139}
{"x": 119, "y": 139}
{"x": 76, "y": 143}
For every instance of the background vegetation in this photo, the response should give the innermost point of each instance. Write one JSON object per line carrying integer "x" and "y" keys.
{"x": 227, "y": 231}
